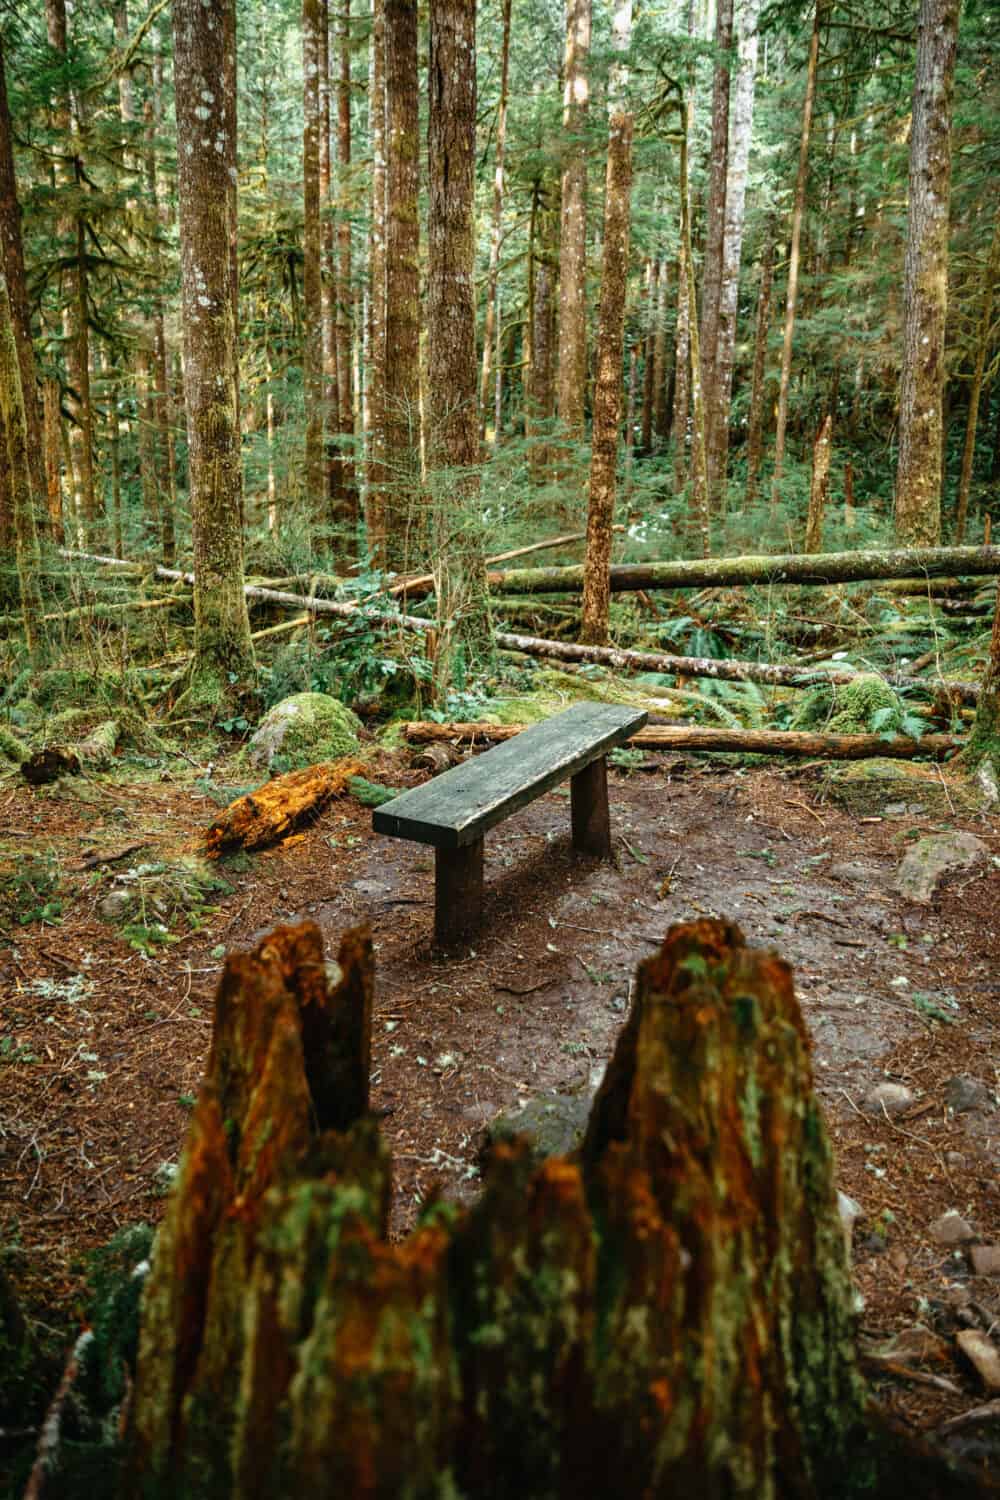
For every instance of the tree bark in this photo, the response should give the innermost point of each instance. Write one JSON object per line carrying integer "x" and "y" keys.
{"x": 288, "y": 1348}
{"x": 990, "y": 278}
{"x": 496, "y": 227}
{"x": 572, "y": 380}
{"x": 699, "y": 516}
{"x": 755, "y": 424}
{"x": 925, "y": 280}
{"x": 16, "y": 481}
{"x": 732, "y": 247}
{"x": 402, "y": 352}
{"x": 313, "y": 20}
{"x": 791, "y": 295}
{"x": 819, "y": 488}
{"x": 348, "y": 507}
{"x": 377, "y": 474}
{"x": 610, "y": 339}
{"x": 542, "y": 334}
{"x": 715, "y": 231}
{"x": 12, "y": 261}
{"x": 53, "y": 460}
{"x": 983, "y": 751}
{"x": 204, "y": 57}
{"x": 464, "y": 633}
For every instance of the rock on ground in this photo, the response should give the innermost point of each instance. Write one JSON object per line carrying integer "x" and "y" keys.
{"x": 930, "y": 859}
{"x": 892, "y": 1098}
{"x": 553, "y": 1123}
{"x": 302, "y": 730}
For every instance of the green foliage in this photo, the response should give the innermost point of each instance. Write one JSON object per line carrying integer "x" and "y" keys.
{"x": 868, "y": 705}
{"x": 28, "y": 891}
{"x": 369, "y": 793}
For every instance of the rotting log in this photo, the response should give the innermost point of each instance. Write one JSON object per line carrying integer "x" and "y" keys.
{"x": 672, "y": 1310}
{"x": 723, "y": 669}
{"x": 279, "y": 806}
{"x": 698, "y": 737}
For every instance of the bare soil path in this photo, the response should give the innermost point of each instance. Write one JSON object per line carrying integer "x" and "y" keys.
{"x": 102, "y": 1047}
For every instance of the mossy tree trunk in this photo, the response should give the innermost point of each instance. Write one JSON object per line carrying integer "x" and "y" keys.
{"x": 204, "y": 57}
{"x": 983, "y": 752}
{"x": 673, "y": 1306}
{"x": 465, "y": 641}
{"x": 15, "y": 483}
{"x": 925, "y": 288}
{"x": 610, "y": 341}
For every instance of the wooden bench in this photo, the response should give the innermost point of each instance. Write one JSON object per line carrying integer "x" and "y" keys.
{"x": 454, "y": 811}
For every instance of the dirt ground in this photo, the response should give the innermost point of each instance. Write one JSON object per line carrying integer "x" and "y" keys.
{"x": 102, "y": 1047}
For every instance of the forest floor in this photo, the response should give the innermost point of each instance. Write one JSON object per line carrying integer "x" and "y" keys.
{"x": 102, "y": 1046}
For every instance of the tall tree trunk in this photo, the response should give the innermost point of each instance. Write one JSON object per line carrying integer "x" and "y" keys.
{"x": 375, "y": 491}
{"x": 755, "y": 424}
{"x": 16, "y": 481}
{"x": 490, "y": 325}
{"x": 160, "y": 354}
{"x": 736, "y": 185}
{"x": 572, "y": 386}
{"x": 791, "y": 296}
{"x": 204, "y": 59}
{"x": 662, "y": 414}
{"x": 700, "y": 519}
{"x": 333, "y": 455}
{"x": 53, "y": 461}
{"x": 402, "y": 344}
{"x": 715, "y": 229}
{"x": 146, "y": 427}
{"x": 682, "y": 375}
{"x": 542, "y": 332}
{"x": 819, "y": 488}
{"x": 12, "y": 262}
{"x": 925, "y": 280}
{"x": 348, "y": 508}
{"x": 610, "y": 341}
{"x": 313, "y": 22}
{"x": 650, "y": 295}
{"x": 72, "y": 235}
{"x": 975, "y": 389}
{"x": 114, "y": 447}
{"x": 453, "y": 427}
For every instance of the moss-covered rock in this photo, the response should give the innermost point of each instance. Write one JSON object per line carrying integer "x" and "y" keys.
{"x": 868, "y": 705}
{"x": 148, "y": 899}
{"x": 301, "y": 731}
{"x": 870, "y": 788}
{"x": 552, "y": 1123}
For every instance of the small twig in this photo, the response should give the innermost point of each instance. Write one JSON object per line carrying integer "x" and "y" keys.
{"x": 48, "y": 1441}
{"x": 919, "y": 1377}
{"x": 806, "y": 808}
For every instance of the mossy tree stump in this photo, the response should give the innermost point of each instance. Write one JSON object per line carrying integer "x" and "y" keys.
{"x": 668, "y": 1314}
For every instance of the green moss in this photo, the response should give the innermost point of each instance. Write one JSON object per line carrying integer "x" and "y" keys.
{"x": 302, "y": 730}
{"x": 867, "y": 705}
{"x": 869, "y": 787}
{"x": 11, "y": 748}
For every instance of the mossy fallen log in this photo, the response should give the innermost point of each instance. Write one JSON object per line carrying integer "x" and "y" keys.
{"x": 669, "y": 1314}
{"x": 279, "y": 806}
{"x": 700, "y": 737}
{"x": 725, "y": 572}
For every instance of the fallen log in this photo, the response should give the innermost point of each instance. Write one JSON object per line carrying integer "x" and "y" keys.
{"x": 262, "y": 817}
{"x": 724, "y": 669}
{"x": 673, "y": 1308}
{"x": 700, "y": 737}
{"x": 424, "y": 582}
{"x": 820, "y": 568}
{"x": 640, "y": 661}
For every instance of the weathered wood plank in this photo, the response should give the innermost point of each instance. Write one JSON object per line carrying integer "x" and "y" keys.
{"x": 458, "y": 807}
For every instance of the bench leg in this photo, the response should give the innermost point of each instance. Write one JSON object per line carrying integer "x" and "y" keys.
{"x": 589, "y": 806}
{"x": 458, "y": 893}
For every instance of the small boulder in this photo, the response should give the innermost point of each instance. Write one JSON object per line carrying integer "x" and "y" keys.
{"x": 303, "y": 730}
{"x": 983, "y": 1355}
{"x": 553, "y": 1123}
{"x": 963, "y": 1095}
{"x": 850, "y": 1211}
{"x": 888, "y": 1098}
{"x": 951, "y": 1229}
{"x": 985, "y": 1260}
{"x": 930, "y": 859}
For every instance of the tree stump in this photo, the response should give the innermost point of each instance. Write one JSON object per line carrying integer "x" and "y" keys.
{"x": 668, "y": 1314}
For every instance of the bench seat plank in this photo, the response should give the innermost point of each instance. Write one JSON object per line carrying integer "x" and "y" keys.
{"x": 458, "y": 807}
